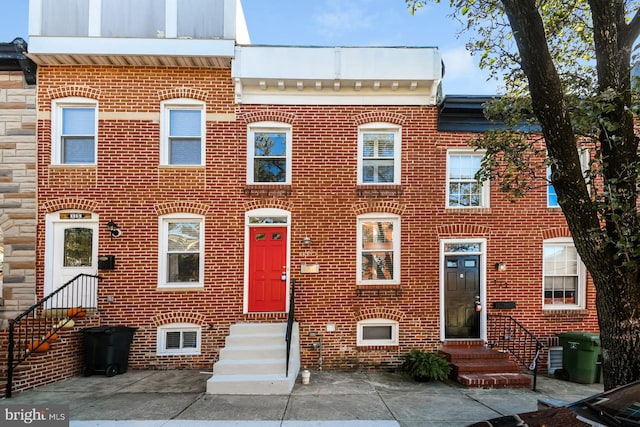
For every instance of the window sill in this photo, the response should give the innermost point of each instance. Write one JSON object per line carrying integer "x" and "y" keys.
{"x": 565, "y": 312}
{"x": 379, "y": 291}
{"x": 186, "y": 288}
{"x": 379, "y": 190}
{"x": 179, "y": 353}
{"x": 473, "y": 210}
{"x": 267, "y": 190}
{"x": 181, "y": 167}
{"x": 391, "y": 347}
{"x": 77, "y": 167}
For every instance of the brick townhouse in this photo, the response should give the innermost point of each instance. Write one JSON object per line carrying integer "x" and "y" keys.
{"x": 202, "y": 177}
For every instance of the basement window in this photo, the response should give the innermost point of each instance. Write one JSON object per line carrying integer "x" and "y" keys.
{"x": 178, "y": 338}
{"x": 377, "y": 332}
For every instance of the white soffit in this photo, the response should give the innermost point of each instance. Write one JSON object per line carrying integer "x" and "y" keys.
{"x": 126, "y": 51}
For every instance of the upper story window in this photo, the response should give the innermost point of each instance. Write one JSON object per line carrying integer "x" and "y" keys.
{"x": 378, "y": 241}
{"x": 564, "y": 275}
{"x": 269, "y": 153}
{"x": 463, "y": 190}
{"x": 182, "y": 132}
{"x": 74, "y": 133}
{"x": 552, "y": 196}
{"x": 379, "y": 154}
{"x": 181, "y": 262}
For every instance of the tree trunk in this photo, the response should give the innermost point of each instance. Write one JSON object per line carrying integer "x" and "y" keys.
{"x": 607, "y": 239}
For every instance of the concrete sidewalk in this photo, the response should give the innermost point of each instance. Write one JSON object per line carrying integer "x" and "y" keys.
{"x": 354, "y": 399}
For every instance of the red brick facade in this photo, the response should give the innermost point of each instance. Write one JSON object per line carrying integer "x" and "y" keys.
{"x": 129, "y": 186}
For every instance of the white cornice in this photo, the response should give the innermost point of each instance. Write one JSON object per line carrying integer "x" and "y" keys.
{"x": 336, "y": 75}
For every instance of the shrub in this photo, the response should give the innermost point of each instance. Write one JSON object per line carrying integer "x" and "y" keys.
{"x": 424, "y": 365}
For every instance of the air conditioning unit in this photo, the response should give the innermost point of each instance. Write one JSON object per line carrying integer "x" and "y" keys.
{"x": 554, "y": 362}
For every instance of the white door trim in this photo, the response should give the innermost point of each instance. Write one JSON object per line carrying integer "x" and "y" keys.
{"x": 53, "y": 220}
{"x": 265, "y": 212}
{"x": 483, "y": 280}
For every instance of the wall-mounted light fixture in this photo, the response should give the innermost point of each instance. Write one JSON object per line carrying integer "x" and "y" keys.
{"x": 501, "y": 267}
{"x": 306, "y": 241}
{"x": 113, "y": 229}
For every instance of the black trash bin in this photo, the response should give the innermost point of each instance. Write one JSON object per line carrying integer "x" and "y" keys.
{"x": 106, "y": 349}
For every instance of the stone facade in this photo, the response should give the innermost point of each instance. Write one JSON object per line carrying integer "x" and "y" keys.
{"x": 17, "y": 193}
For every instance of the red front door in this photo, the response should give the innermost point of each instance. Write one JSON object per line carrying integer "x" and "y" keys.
{"x": 267, "y": 264}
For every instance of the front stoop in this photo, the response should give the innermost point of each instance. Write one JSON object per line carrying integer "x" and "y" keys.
{"x": 474, "y": 365}
{"x": 253, "y": 360}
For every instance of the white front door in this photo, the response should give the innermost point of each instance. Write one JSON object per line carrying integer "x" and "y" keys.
{"x": 71, "y": 249}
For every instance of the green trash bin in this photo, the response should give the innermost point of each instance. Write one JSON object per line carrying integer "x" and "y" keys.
{"x": 580, "y": 355}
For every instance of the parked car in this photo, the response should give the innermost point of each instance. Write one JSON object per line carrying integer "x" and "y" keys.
{"x": 617, "y": 407}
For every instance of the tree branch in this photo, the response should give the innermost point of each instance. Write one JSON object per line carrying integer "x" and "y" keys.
{"x": 633, "y": 28}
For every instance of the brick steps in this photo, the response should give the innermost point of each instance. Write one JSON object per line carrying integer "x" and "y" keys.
{"x": 474, "y": 365}
{"x": 504, "y": 380}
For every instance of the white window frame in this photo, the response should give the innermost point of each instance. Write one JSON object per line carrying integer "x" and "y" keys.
{"x": 396, "y": 247}
{"x": 57, "y": 108}
{"x": 585, "y": 158}
{"x": 161, "y": 339}
{"x": 268, "y": 127}
{"x": 581, "y": 276}
{"x": 395, "y": 333}
{"x": 180, "y": 104}
{"x": 485, "y": 188}
{"x": 386, "y": 128}
{"x": 163, "y": 233}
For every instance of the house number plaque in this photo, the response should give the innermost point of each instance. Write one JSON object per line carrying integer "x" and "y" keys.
{"x": 75, "y": 215}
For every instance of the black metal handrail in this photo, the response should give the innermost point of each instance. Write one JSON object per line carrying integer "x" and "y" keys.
{"x": 290, "y": 320}
{"x": 29, "y": 331}
{"x": 507, "y": 334}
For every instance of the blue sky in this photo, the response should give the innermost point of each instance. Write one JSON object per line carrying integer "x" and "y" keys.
{"x": 338, "y": 23}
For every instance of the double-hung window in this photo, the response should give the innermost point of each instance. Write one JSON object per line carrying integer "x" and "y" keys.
{"x": 269, "y": 153}
{"x": 378, "y": 241}
{"x": 74, "y": 133}
{"x": 379, "y": 154}
{"x": 183, "y": 132}
{"x": 178, "y": 338}
{"x": 563, "y": 275}
{"x": 181, "y": 251}
{"x": 463, "y": 190}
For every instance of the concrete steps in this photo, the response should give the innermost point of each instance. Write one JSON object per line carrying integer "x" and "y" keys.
{"x": 253, "y": 360}
{"x": 474, "y": 365}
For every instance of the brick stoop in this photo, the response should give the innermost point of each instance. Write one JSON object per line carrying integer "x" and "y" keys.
{"x": 474, "y": 365}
